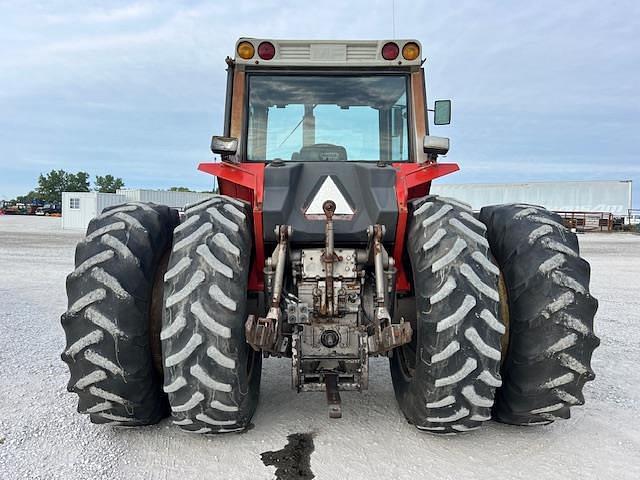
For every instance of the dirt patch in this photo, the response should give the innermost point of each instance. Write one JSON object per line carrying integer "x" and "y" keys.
{"x": 293, "y": 462}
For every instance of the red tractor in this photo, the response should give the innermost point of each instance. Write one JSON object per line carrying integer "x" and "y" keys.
{"x": 325, "y": 246}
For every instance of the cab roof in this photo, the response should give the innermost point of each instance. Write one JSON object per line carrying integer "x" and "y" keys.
{"x": 327, "y": 53}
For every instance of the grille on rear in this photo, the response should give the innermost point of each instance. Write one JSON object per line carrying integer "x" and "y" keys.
{"x": 354, "y": 53}
{"x": 295, "y": 52}
{"x": 361, "y": 53}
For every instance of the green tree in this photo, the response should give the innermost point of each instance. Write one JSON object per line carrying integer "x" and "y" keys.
{"x": 78, "y": 183}
{"x": 108, "y": 184}
{"x": 28, "y": 198}
{"x": 179, "y": 189}
{"x": 51, "y": 185}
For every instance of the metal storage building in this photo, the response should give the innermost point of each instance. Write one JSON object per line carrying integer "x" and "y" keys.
{"x": 589, "y": 196}
{"x": 78, "y": 208}
{"x": 162, "y": 197}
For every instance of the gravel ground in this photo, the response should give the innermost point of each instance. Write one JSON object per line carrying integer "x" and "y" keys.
{"x": 41, "y": 435}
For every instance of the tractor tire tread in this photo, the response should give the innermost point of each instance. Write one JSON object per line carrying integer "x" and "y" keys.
{"x": 107, "y": 320}
{"x": 458, "y": 347}
{"x": 206, "y": 358}
{"x": 551, "y": 336}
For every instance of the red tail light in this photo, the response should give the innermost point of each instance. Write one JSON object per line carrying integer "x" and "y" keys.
{"x": 390, "y": 51}
{"x": 266, "y": 50}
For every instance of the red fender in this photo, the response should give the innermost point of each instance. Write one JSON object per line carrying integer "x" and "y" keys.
{"x": 413, "y": 180}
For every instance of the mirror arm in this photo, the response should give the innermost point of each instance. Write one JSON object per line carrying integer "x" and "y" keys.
{"x": 230, "y": 159}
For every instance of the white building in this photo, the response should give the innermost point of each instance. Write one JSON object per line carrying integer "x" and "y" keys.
{"x": 78, "y": 208}
{"x": 599, "y": 196}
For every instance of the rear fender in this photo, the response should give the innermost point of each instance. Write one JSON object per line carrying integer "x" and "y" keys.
{"x": 413, "y": 180}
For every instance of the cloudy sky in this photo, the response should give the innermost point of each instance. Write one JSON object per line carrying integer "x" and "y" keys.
{"x": 541, "y": 90}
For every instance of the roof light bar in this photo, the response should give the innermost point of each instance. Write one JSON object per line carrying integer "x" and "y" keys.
{"x": 328, "y": 53}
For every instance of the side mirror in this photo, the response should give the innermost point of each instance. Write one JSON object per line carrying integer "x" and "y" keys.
{"x": 224, "y": 146}
{"x": 435, "y": 145}
{"x": 442, "y": 112}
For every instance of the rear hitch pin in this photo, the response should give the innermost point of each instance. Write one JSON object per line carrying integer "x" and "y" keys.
{"x": 329, "y": 256}
{"x": 333, "y": 395}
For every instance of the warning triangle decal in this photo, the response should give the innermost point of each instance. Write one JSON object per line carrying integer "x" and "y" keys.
{"x": 329, "y": 191}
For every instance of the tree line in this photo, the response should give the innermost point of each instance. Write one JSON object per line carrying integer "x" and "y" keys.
{"x": 51, "y": 185}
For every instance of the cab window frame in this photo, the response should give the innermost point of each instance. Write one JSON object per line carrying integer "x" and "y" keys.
{"x": 330, "y": 72}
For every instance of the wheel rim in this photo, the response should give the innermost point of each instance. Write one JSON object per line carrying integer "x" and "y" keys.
{"x": 504, "y": 316}
{"x": 407, "y": 361}
{"x": 407, "y": 353}
{"x": 156, "y": 305}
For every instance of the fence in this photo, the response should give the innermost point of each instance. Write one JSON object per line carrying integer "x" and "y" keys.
{"x": 588, "y": 221}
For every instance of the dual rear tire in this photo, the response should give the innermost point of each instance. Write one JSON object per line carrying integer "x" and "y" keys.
{"x": 455, "y": 374}
{"x": 117, "y": 317}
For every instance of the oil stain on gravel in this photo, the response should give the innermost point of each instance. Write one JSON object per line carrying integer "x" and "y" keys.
{"x": 293, "y": 461}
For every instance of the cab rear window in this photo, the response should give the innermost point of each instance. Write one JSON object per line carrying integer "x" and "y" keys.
{"x": 328, "y": 118}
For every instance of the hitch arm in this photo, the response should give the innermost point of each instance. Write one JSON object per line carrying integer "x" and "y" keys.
{"x": 381, "y": 314}
{"x": 264, "y": 333}
{"x": 387, "y": 335}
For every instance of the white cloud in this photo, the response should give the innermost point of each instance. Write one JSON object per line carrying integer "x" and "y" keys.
{"x": 100, "y": 15}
